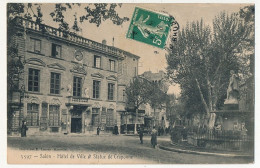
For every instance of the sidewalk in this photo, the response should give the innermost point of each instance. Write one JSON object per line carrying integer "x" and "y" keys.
{"x": 64, "y": 134}
{"x": 184, "y": 147}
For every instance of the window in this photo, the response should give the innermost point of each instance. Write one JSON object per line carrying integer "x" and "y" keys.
{"x": 96, "y": 89}
{"x": 77, "y": 86}
{"x": 55, "y": 83}
{"x": 97, "y": 61}
{"x": 32, "y": 114}
{"x": 54, "y": 115}
{"x": 34, "y": 80}
{"x": 112, "y": 65}
{"x": 56, "y": 51}
{"x": 95, "y": 116}
{"x": 35, "y": 45}
{"x": 110, "y": 95}
{"x": 110, "y": 118}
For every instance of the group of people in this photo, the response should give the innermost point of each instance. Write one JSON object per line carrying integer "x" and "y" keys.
{"x": 115, "y": 130}
{"x": 153, "y": 136}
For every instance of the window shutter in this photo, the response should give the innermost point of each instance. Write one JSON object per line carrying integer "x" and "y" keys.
{"x": 120, "y": 67}
{"x": 31, "y": 45}
{"x": 58, "y": 51}
{"x": 37, "y": 46}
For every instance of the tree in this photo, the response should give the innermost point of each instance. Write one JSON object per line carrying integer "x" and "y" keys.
{"x": 95, "y": 13}
{"x": 157, "y": 98}
{"x": 138, "y": 93}
{"x": 201, "y": 59}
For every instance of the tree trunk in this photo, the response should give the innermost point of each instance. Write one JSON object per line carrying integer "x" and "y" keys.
{"x": 210, "y": 116}
{"x": 154, "y": 122}
{"x": 136, "y": 119}
{"x": 202, "y": 97}
{"x": 126, "y": 123}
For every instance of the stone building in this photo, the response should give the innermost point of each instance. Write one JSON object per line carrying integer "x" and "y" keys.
{"x": 68, "y": 84}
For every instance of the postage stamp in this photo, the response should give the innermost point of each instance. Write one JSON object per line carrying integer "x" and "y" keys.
{"x": 149, "y": 27}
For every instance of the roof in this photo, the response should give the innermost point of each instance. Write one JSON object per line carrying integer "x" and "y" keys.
{"x": 70, "y": 37}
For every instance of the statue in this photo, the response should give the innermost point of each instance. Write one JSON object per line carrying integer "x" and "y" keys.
{"x": 69, "y": 88}
{"x": 86, "y": 94}
{"x": 232, "y": 91}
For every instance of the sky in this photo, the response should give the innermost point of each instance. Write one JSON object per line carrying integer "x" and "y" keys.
{"x": 151, "y": 58}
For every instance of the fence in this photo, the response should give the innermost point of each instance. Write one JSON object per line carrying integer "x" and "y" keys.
{"x": 221, "y": 139}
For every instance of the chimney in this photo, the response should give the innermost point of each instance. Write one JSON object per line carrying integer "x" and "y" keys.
{"x": 104, "y": 42}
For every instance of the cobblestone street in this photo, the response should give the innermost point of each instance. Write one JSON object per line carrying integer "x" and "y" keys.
{"x": 98, "y": 149}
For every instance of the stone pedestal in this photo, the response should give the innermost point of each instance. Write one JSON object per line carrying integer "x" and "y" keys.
{"x": 231, "y": 104}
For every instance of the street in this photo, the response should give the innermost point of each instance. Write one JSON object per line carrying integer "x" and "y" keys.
{"x": 100, "y": 149}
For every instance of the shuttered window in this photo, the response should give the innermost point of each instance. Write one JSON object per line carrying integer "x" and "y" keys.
{"x": 34, "y": 80}
{"x": 110, "y": 118}
{"x": 35, "y": 45}
{"x": 55, "y": 83}
{"x": 54, "y": 115}
{"x": 77, "y": 86}
{"x": 32, "y": 114}
{"x": 110, "y": 95}
{"x": 96, "y": 89}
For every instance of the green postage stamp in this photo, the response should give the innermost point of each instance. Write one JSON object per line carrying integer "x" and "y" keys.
{"x": 149, "y": 27}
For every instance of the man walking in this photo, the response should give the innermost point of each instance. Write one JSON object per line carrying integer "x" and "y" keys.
{"x": 23, "y": 129}
{"x": 98, "y": 130}
{"x": 141, "y": 134}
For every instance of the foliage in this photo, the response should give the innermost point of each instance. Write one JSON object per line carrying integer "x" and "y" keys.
{"x": 174, "y": 109}
{"x": 102, "y": 12}
{"x": 178, "y": 133}
{"x": 141, "y": 91}
{"x": 158, "y": 98}
{"x": 202, "y": 57}
{"x": 94, "y": 13}
{"x": 14, "y": 9}
{"x": 248, "y": 15}
{"x": 138, "y": 92}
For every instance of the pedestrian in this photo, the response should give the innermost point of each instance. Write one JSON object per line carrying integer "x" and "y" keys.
{"x": 23, "y": 129}
{"x": 141, "y": 134}
{"x": 154, "y": 137}
{"x": 116, "y": 130}
{"x": 98, "y": 130}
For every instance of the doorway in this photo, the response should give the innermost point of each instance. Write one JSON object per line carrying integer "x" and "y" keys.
{"x": 76, "y": 125}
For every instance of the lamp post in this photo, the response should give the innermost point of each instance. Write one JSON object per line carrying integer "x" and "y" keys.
{"x": 22, "y": 91}
{"x": 126, "y": 114}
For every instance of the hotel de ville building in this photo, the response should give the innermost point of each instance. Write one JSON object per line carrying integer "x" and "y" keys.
{"x": 64, "y": 83}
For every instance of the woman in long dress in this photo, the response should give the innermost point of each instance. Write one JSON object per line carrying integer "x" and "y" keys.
{"x": 154, "y": 137}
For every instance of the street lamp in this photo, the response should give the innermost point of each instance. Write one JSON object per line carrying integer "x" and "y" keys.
{"x": 126, "y": 114}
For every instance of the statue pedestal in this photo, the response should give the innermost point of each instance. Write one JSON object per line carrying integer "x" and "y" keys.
{"x": 231, "y": 107}
{"x": 231, "y": 104}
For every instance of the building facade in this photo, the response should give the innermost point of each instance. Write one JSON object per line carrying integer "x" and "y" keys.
{"x": 68, "y": 84}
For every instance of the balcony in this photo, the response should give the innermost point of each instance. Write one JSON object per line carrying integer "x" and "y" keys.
{"x": 71, "y": 37}
{"x": 73, "y": 100}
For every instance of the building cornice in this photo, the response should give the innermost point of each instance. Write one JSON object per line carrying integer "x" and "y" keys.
{"x": 71, "y": 38}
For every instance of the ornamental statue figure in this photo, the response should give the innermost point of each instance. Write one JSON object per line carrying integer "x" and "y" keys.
{"x": 232, "y": 91}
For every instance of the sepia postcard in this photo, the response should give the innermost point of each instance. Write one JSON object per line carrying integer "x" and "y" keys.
{"x": 130, "y": 83}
